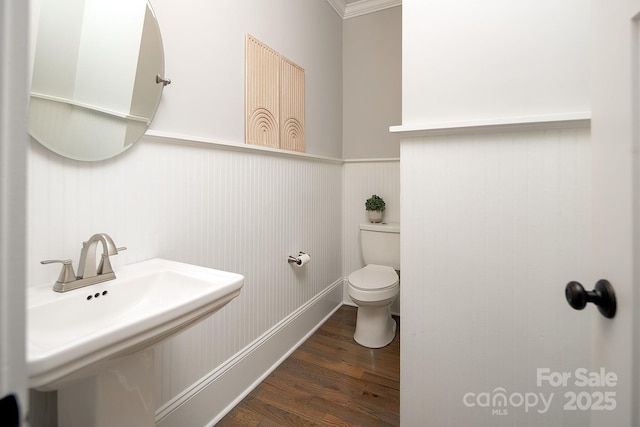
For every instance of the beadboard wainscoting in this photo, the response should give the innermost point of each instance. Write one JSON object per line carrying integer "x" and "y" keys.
{"x": 494, "y": 226}
{"x": 362, "y": 178}
{"x": 233, "y": 209}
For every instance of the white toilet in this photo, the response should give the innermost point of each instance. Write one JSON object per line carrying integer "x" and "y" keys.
{"x": 375, "y": 287}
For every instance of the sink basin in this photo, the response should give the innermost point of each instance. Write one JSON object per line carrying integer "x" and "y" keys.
{"x": 75, "y": 334}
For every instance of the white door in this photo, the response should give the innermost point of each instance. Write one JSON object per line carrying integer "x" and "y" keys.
{"x": 13, "y": 147}
{"x": 616, "y": 195}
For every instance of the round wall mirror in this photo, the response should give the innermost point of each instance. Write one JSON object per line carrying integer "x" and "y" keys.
{"x": 97, "y": 75}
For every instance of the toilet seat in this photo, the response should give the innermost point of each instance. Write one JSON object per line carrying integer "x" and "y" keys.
{"x": 374, "y": 277}
{"x": 374, "y": 284}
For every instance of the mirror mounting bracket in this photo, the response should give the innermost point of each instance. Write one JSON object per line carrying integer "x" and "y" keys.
{"x": 160, "y": 79}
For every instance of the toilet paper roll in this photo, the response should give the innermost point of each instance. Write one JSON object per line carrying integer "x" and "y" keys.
{"x": 302, "y": 259}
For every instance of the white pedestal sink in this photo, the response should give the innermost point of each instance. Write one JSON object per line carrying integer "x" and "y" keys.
{"x": 93, "y": 344}
{"x": 121, "y": 395}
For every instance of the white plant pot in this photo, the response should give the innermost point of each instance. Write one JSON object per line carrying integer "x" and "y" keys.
{"x": 375, "y": 216}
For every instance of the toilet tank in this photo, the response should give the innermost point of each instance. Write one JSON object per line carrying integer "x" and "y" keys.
{"x": 381, "y": 244}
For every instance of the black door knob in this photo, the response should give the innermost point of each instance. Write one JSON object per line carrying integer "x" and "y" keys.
{"x": 602, "y": 295}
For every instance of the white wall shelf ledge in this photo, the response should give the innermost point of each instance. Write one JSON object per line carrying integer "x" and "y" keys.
{"x": 502, "y": 124}
{"x": 171, "y": 138}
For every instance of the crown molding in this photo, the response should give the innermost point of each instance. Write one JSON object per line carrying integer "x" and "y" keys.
{"x": 339, "y": 6}
{"x": 361, "y": 7}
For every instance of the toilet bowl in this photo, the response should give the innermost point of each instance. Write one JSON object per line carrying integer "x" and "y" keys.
{"x": 373, "y": 289}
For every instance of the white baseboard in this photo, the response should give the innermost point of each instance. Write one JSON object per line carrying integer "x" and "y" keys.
{"x": 211, "y": 398}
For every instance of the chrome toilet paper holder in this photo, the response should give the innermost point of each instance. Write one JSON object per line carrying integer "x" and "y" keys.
{"x": 297, "y": 259}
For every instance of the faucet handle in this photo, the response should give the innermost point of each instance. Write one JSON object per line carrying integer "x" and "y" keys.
{"x": 105, "y": 263}
{"x": 67, "y": 275}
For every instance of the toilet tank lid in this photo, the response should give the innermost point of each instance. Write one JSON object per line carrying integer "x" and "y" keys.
{"x": 384, "y": 227}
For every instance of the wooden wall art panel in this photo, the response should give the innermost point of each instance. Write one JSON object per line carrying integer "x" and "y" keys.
{"x": 274, "y": 98}
{"x": 291, "y": 106}
{"x": 262, "y": 122}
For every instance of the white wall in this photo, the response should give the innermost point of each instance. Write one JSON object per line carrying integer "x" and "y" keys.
{"x": 470, "y": 60}
{"x": 372, "y": 69}
{"x": 13, "y": 139}
{"x": 494, "y": 226}
{"x": 204, "y": 52}
{"x": 494, "y": 222}
{"x": 234, "y": 211}
{"x": 238, "y": 210}
{"x": 197, "y": 203}
{"x": 361, "y": 179}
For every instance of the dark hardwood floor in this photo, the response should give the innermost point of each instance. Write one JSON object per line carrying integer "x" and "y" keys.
{"x": 329, "y": 380}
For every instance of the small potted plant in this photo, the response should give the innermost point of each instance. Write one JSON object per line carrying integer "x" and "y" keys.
{"x": 374, "y": 206}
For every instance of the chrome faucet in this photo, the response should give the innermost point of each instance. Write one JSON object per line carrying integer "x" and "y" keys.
{"x": 88, "y": 268}
{"x": 88, "y": 272}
